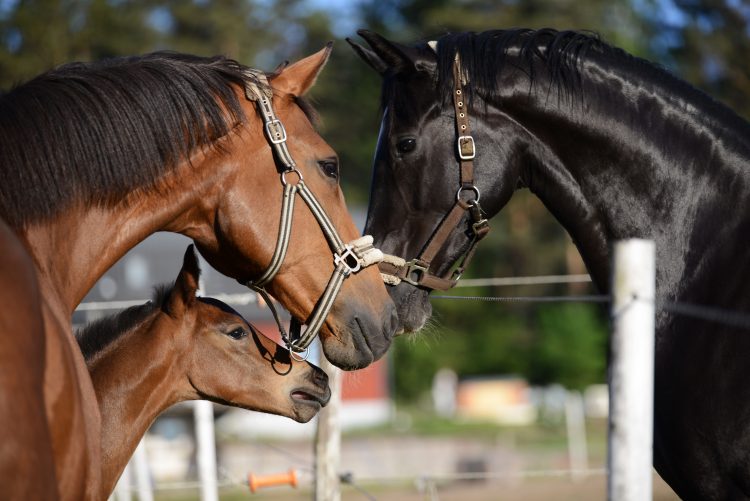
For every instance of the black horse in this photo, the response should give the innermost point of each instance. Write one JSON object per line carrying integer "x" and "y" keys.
{"x": 616, "y": 148}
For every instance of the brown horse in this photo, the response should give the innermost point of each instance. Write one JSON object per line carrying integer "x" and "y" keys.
{"x": 181, "y": 347}
{"x": 96, "y": 157}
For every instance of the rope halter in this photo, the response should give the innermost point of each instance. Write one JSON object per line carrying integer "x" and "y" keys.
{"x": 348, "y": 258}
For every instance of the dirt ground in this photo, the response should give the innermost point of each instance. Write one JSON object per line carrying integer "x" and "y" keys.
{"x": 539, "y": 489}
{"x": 558, "y": 489}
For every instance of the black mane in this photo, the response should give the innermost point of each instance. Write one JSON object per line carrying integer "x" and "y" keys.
{"x": 561, "y": 55}
{"x": 96, "y": 336}
{"x": 94, "y": 132}
{"x": 483, "y": 56}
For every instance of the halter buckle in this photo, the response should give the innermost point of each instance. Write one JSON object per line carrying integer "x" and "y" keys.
{"x": 466, "y": 149}
{"x": 346, "y": 258}
{"x": 275, "y": 131}
{"x": 414, "y": 267}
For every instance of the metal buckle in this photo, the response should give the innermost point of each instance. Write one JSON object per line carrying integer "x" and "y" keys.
{"x": 466, "y": 140}
{"x": 345, "y": 258}
{"x": 280, "y": 131}
{"x": 411, "y": 267}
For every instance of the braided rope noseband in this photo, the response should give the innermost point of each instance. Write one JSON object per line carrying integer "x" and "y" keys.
{"x": 347, "y": 258}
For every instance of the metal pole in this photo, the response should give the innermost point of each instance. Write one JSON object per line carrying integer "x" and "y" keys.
{"x": 631, "y": 372}
{"x": 203, "y": 412}
{"x": 328, "y": 439}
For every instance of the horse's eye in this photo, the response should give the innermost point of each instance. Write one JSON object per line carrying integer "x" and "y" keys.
{"x": 237, "y": 333}
{"x": 330, "y": 168}
{"x": 406, "y": 145}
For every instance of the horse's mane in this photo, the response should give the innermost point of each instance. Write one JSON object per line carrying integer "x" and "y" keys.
{"x": 94, "y": 337}
{"x": 560, "y": 54}
{"x": 483, "y": 56}
{"x": 94, "y": 132}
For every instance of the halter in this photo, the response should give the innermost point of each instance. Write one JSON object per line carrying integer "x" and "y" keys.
{"x": 395, "y": 269}
{"x": 347, "y": 258}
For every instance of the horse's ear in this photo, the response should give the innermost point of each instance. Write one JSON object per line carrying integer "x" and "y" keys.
{"x": 391, "y": 54}
{"x": 185, "y": 287}
{"x": 297, "y": 78}
{"x": 368, "y": 56}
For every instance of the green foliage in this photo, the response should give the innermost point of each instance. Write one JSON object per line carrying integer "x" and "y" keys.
{"x": 569, "y": 346}
{"x": 709, "y": 44}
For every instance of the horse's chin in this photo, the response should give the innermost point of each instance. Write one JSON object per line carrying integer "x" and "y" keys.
{"x": 350, "y": 353}
{"x": 361, "y": 340}
{"x": 413, "y": 306}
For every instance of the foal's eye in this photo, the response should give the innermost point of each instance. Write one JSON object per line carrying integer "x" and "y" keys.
{"x": 406, "y": 145}
{"x": 330, "y": 168}
{"x": 237, "y": 333}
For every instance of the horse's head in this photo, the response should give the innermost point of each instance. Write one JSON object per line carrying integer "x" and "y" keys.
{"x": 417, "y": 179}
{"x": 242, "y": 224}
{"x": 227, "y": 361}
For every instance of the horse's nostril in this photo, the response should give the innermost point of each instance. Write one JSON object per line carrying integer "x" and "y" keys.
{"x": 392, "y": 326}
{"x": 319, "y": 377}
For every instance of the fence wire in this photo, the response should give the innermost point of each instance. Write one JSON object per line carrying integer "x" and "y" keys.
{"x": 713, "y": 314}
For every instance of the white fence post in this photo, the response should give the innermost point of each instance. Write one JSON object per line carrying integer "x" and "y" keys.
{"x": 631, "y": 372}
{"x": 575, "y": 424}
{"x": 205, "y": 439}
{"x": 203, "y": 412}
{"x": 123, "y": 488}
{"x": 328, "y": 439}
{"x": 142, "y": 473}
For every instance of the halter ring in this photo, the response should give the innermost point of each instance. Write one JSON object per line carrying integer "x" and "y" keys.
{"x": 292, "y": 171}
{"x": 295, "y": 357}
{"x": 473, "y": 188}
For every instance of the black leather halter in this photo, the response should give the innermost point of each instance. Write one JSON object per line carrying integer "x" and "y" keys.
{"x": 416, "y": 271}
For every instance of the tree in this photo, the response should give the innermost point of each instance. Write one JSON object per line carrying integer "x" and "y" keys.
{"x": 708, "y": 42}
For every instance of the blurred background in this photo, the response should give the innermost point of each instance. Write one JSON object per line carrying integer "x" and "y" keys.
{"x": 534, "y": 356}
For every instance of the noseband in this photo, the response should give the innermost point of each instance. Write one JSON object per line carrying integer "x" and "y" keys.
{"x": 395, "y": 269}
{"x": 347, "y": 258}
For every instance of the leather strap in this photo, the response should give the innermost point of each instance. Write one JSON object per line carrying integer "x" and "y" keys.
{"x": 417, "y": 270}
{"x": 348, "y": 258}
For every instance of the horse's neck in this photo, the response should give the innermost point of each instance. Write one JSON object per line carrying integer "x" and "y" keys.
{"x": 74, "y": 250}
{"x": 135, "y": 379}
{"x": 630, "y": 160}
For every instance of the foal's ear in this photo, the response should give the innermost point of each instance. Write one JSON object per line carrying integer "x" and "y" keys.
{"x": 297, "y": 78}
{"x": 185, "y": 287}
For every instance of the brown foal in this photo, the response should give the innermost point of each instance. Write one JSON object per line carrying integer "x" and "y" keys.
{"x": 181, "y": 347}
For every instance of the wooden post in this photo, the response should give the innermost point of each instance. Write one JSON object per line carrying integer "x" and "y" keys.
{"x": 328, "y": 439}
{"x": 631, "y": 372}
